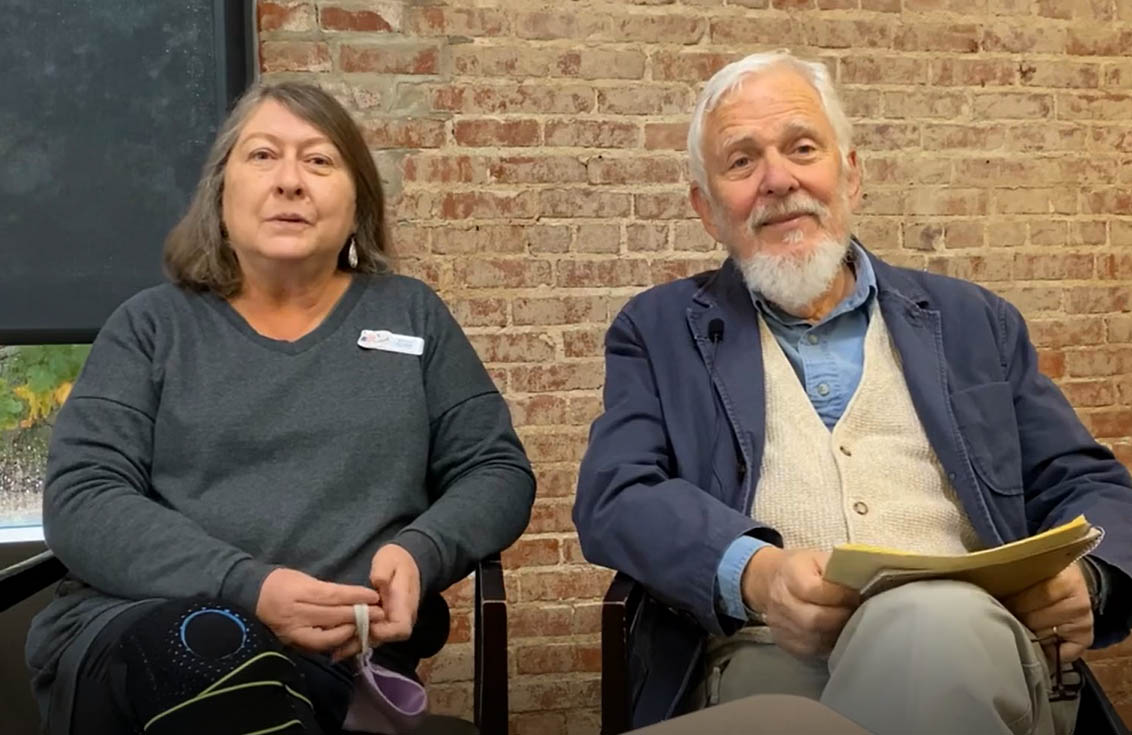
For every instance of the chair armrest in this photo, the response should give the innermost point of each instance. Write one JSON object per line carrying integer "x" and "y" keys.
{"x": 490, "y": 636}
{"x": 23, "y": 579}
{"x": 618, "y": 614}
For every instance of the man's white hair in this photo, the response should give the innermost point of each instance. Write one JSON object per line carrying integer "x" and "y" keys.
{"x": 728, "y": 79}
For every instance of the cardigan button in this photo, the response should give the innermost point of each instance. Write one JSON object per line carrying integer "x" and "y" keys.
{"x": 860, "y": 508}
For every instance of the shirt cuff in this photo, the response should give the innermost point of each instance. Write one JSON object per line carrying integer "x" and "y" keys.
{"x": 729, "y": 576}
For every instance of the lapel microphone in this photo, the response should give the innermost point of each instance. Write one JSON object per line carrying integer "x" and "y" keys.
{"x": 715, "y": 331}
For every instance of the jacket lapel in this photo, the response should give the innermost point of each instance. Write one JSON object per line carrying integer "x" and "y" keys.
{"x": 735, "y": 362}
{"x": 917, "y": 333}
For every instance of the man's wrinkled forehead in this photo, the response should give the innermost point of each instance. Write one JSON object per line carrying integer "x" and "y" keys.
{"x": 780, "y": 96}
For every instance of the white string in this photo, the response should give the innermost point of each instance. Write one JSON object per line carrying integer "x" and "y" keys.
{"x": 361, "y": 620}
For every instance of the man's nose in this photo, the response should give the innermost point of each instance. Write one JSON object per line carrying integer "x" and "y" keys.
{"x": 777, "y": 179}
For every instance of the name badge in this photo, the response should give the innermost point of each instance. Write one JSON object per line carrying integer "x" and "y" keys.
{"x": 381, "y": 339}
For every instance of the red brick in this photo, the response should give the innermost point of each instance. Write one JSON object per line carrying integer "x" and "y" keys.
{"x": 1051, "y": 363}
{"x": 479, "y": 312}
{"x": 1110, "y": 138}
{"x": 644, "y": 100}
{"x": 496, "y": 348}
{"x": 1077, "y": 266}
{"x": 562, "y": 376}
{"x": 563, "y": 584}
{"x": 886, "y": 136}
{"x": 947, "y": 201}
{"x": 1046, "y": 137}
{"x": 863, "y": 34}
{"x": 442, "y": 21}
{"x": 635, "y": 170}
{"x": 551, "y": 26}
{"x": 1115, "y": 423}
{"x": 1099, "y": 362}
{"x": 387, "y": 58}
{"x": 502, "y": 61}
{"x": 962, "y": 7}
{"x": 923, "y": 104}
{"x": 510, "y": 98}
{"x": 598, "y": 238}
{"x": 333, "y": 18}
{"x": 502, "y": 273}
{"x": 1013, "y": 37}
{"x": 275, "y": 56}
{"x": 1084, "y": 232}
{"x": 691, "y": 236}
{"x": 1076, "y": 9}
{"x": 646, "y": 237}
{"x": 666, "y": 136}
{"x": 584, "y": 410}
{"x": 538, "y": 723}
{"x": 966, "y": 72}
{"x": 444, "y": 169}
{"x": 1031, "y": 299}
{"x": 592, "y": 133}
{"x": 454, "y": 700}
{"x": 862, "y": 69}
{"x": 560, "y": 310}
{"x": 666, "y": 28}
{"x": 549, "y": 238}
{"x": 540, "y": 620}
{"x": 1059, "y": 73}
{"x": 1035, "y": 201}
{"x": 1115, "y": 266}
{"x": 904, "y": 170}
{"x": 1107, "y": 201}
{"x": 583, "y": 203}
{"x": 939, "y": 136}
{"x": 1003, "y": 105}
{"x": 503, "y": 239}
{"x": 926, "y": 237}
{"x": 556, "y": 483}
{"x": 688, "y": 66}
{"x": 1095, "y": 106}
{"x": 881, "y": 6}
{"x": 496, "y": 132}
{"x": 535, "y": 695}
{"x": 663, "y": 206}
{"x": 664, "y": 271}
{"x": 1071, "y": 332}
{"x": 982, "y": 268}
{"x": 760, "y": 29}
{"x": 532, "y": 552}
{"x": 537, "y": 170}
{"x": 558, "y": 658}
{"x": 603, "y": 273}
{"x": 538, "y": 410}
{"x": 403, "y": 133}
{"x": 557, "y": 446}
{"x": 285, "y": 16}
{"x": 961, "y": 37}
{"x": 1097, "y": 41}
{"x": 551, "y": 517}
{"x": 1098, "y": 299}
{"x": 1089, "y": 393}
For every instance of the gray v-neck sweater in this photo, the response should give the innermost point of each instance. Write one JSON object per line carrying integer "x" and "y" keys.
{"x": 195, "y": 455}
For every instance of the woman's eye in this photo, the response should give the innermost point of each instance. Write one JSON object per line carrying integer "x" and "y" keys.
{"x": 260, "y": 154}
{"x": 320, "y": 160}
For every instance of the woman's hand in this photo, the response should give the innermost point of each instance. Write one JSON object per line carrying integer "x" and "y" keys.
{"x": 310, "y": 614}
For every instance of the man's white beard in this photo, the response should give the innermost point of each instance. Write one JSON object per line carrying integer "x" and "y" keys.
{"x": 794, "y": 282}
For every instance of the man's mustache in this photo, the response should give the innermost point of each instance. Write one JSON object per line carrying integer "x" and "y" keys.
{"x": 792, "y": 206}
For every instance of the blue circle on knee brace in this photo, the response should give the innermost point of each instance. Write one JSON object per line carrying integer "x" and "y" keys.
{"x": 214, "y": 611}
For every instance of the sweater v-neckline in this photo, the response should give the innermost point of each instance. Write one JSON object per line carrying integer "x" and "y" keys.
{"x": 324, "y": 329}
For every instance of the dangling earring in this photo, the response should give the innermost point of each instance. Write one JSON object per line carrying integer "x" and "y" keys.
{"x": 352, "y": 253}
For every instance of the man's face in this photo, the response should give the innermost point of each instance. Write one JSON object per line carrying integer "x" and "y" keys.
{"x": 776, "y": 184}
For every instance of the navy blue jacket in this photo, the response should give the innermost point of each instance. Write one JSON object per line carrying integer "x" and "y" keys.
{"x": 672, "y": 464}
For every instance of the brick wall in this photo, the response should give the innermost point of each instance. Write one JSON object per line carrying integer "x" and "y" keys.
{"x": 533, "y": 154}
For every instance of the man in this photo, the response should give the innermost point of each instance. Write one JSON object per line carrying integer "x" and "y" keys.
{"x": 808, "y": 394}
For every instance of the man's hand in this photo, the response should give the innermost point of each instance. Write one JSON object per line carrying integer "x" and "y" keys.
{"x": 805, "y": 612}
{"x": 310, "y": 614}
{"x": 1060, "y": 602}
{"x": 394, "y": 574}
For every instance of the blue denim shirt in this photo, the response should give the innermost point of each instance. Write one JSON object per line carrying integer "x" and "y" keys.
{"x": 828, "y": 358}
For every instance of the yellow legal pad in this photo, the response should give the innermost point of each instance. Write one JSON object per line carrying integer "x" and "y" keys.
{"x": 1001, "y": 571}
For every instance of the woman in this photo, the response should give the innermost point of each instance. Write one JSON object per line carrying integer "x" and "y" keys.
{"x": 283, "y": 433}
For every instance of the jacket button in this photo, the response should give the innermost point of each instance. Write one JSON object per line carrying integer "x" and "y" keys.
{"x": 860, "y": 508}
{"x": 845, "y": 450}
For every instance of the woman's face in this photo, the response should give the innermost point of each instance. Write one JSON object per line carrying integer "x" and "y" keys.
{"x": 289, "y": 196}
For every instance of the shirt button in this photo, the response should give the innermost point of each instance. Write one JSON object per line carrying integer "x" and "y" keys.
{"x": 823, "y": 389}
{"x": 845, "y": 450}
{"x": 860, "y": 508}
{"x": 812, "y": 339}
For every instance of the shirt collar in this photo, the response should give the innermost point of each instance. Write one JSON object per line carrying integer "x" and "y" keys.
{"x": 863, "y": 290}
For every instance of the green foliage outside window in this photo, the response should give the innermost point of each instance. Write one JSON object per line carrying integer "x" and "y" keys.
{"x": 34, "y": 382}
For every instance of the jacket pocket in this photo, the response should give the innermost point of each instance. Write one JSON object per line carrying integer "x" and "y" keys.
{"x": 985, "y": 414}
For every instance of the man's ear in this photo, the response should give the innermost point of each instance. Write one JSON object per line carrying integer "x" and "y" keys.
{"x": 702, "y": 204}
{"x": 853, "y": 180}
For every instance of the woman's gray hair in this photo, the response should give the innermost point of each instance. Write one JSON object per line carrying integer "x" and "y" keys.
{"x": 197, "y": 254}
{"x": 728, "y": 79}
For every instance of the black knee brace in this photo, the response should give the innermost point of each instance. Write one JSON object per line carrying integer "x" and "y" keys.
{"x": 204, "y": 667}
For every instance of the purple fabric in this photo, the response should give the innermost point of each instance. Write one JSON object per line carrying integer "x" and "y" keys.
{"x": 384, "y": 701}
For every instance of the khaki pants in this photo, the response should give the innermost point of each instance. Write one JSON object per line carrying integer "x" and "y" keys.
{"x": 925, "y": 658}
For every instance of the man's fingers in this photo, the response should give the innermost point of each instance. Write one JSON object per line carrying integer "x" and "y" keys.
{"x": 332, "y": 593}
{"x": 331, "y": 616}
{"x": 321, "y": 640}
{"x": 391, "y": 630}
{"x": 816, "y": 591}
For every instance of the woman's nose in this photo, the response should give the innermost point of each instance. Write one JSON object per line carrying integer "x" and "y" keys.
{"x": 288, "y": 181}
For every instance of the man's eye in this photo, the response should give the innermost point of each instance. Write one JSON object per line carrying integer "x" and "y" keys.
{"x": 740, "y": 162}
{"x": 806, "y": 149}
